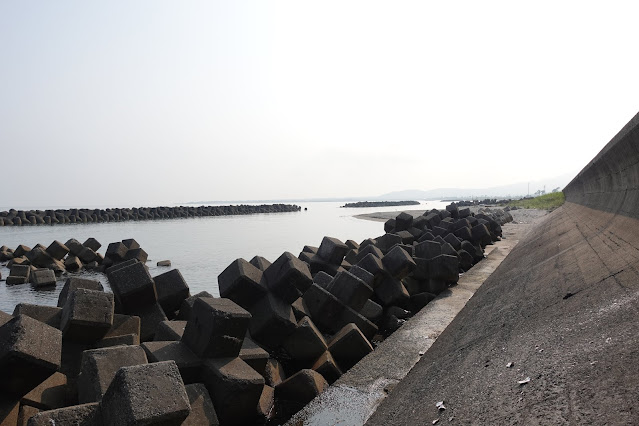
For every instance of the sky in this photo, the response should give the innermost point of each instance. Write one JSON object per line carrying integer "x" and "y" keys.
{"x": 156, "y": 102}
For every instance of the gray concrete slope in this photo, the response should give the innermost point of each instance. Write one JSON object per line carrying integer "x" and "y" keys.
{"x": 563, "y": 307}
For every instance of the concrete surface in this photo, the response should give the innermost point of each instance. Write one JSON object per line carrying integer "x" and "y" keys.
{"x": 563, "y": 307}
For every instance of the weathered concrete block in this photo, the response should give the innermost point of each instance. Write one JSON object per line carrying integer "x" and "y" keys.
{"x": 20, "y": 251}
{"x": 274, "y": 372}
{"x": 187, "y": 305}
{"x": 306, "y": 343}
{"x": 272, "y": 321}
{"x": 170, "y": 331}
{"x": 398, "y": 263}
{"x": 42, "y": 278}
{"x": 171, "y": 290}
{"x": 93, "y": 244}
{"x": 137, "y": 253}
{"x": 124, "y": 339}
{"x": 419, "y": 300}
{"x": 299, "y": 309}
{"x": 74, "y": 246}
{"x": 235, "y": 389}
{"x": 20, "y": 271}
{"x": 386, "y": 241}
{"x": 9, "y": 411}
{"x": 29, "y": 353}
{"x": 72, "y": 263}
{"x": 327, "y": 367}
{"x": 131, "y": 244}
{"x": 202, "y": 409}
{"x": 49, "y": 315}
{"x": 48, "y": 395}
{"x": 465, "y": 260}
{"x": 332, "y": 250}
{"x": 150, "y": 317}
{"x": 57, "y": 250}
{"x": 146, "y": 394}
{"x": 11, "y": 280}
{"x": 132, "y": 286}
{"x": 288, "y": 277}
{"x": 432, "y": 219}
{"x": 254, "y": 355}
{"x": 25, "y": 413}
{"x": 81, "y": 415}
{"x": 260, "y": 263}
{"x": 391, "y": 291}
{"x": 187, "y": 362}
{"x": 372, "y": 311}
{"x": 299, "y": 389}
{"x": 428, "y": 249}
{"x": 322, "y": 279}
{"x": 4, "y": 318}
{"x": 453, "y": 241}
{"x": 369, "y": 249}
{"x": 348, "y": 346}
{"x": 164, "y": 263}
{"x": 123, "y": 325}
{"x": 115, "y": 251}
{"x": 352, "y": 244}
{"x": 444, "y": 267}
{"x": 350, "y": 290}
{"x": 75, "y": 283}
{"x": 242, "y": 283}
{"x": 373, "y": 265}
{"x": 481, "y": 235}
{"x": 87, "y": 255}
{"x": 266, "y": 405}
{"x": 87, "y": 315}
{"x": 216, "y": 328}
{"x": 389, "y": 225}
{"x": 365, "y": 326}
{"x": 475, "y": 251}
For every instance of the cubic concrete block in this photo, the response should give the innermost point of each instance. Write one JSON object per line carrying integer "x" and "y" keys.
{"x": 273, "y": 372}
{"x": 171, "y": 289}
{"x": 87, "y": 255}
{"x": 306, "y": 343}
{"x": 146, "y": 394}
{"x": 391, "y": 291}
{"x": 50, "y": 394}
{"x": 29, "y": 353}
{"x": 124, "y": 325}
{"x": 475, "y": 251}
{"x": 386, "y": 241}
{"x": 125, "y": 339}
{"x": 133, "y": 286}
{"x": 57, "y": 250}
{"x": 166, "y": 263}
{"x": 272, "y": 321}
{"x": 4, "y": 318}
{"x": 187, "y": 362}
{"x": 150, "y": 317}
{"x": 350, "y": 290}
{"x": 92, "y": 243}
{"x": 202, "y": 409}
{"x": 369, "y": 249}
{"x": 114, "y": 266}
{"x": 87, "y": 315}
{"x": 351, "y": 316}
{"x": 137, "y": 253}
{"x": 288, "y": 277}
{"x": 99, "y": 366}
{"x": 299, "y": 309}
{"x": 362, "y": 274}
{"x": 72, "y": 263}
{"x": 20, "y": 271}
{"x": 332, "y": 250}
{"x": 301, "y": 388}
{"x": 131, "y": 244}
{"x": 398, "y": 263}
{"x": 327, "y": 367}
{"x": 428, "y": 249}
{"x": 324, "y": 307}
{"x": 187, "y": 305}
{"x": 351, "y": 256}
{"x": 349, "y": 346}
{"x": 389, "y": 225}
{"x": 12, "y": 280}
{"x": 406, "y": 236}
{"x": 465, "y": 260}
{"x": 266, "y": 405}
{"x": 74, "y": 246}
{"x": 49, "y": 315}
{"x": 39, "y": 257}
{"x": 81, "y": 415}
{"x": 444, "y": 267}
{"x": 75, "y": 283}
{"x": 216, "y": 328}
{"x": 481, "y": 235}
{"x": 242, "y": 283}
{"x": 260, "y": 263}
{"x": 25, "y": 413}
{"x": 464, "y": 234}
{"x": 419, "y": 300}
{"x": 42, "y": 278}
{"x": 20, "y": 251}
{"x": 115, "y": 251}
{"x": 254, "y": 355}
{"x": 372, "y": 311}
{"x": 235, "y": 389}
{"x": 170, "y": 331}
{"x": 322, "y": 279}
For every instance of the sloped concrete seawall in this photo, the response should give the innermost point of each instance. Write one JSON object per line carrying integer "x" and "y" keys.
{"x": 563, "y": 308}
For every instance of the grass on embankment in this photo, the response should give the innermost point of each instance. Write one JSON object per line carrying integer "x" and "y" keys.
{"x": 543, "y": 202}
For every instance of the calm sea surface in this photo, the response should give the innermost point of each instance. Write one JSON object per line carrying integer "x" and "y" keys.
{"x": 200, "y": 248}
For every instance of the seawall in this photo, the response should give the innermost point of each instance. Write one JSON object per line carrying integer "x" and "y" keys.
{"x": 563, "y": 308}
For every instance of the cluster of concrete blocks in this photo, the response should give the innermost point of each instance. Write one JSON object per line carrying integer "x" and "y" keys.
{"x": 42, "y": 265}
{"x": 61, "y": 216}
{"x": 151, "y": 353}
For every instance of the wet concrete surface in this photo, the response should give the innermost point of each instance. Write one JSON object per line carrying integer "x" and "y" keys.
{"x": 356, "y": 395}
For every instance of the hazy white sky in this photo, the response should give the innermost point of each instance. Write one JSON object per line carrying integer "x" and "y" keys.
{"x": 154, "y": 102}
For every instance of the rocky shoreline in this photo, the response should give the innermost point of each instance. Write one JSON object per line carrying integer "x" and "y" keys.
{"x": 67, "y": 216}
{"x": 280, "y": 334}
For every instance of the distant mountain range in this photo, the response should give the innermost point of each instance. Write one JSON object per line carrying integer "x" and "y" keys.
{"x": 516, "y": 190}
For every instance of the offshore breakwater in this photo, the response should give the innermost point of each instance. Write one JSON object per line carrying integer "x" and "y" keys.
{"x": 14, "y": 217}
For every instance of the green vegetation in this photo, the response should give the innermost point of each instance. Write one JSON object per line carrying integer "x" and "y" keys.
{"x": 543, "y": 202}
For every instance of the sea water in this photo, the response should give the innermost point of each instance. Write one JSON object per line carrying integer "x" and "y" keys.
{"x": 201, "y": 248}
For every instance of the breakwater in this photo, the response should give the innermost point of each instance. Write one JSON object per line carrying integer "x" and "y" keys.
{"x": 67, "y": 216}
{"x": 381, "y": 204}
{"x": 280, "y": 334}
